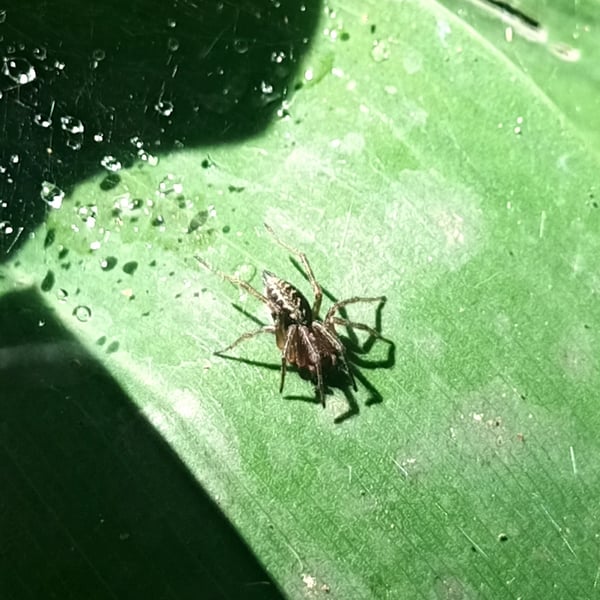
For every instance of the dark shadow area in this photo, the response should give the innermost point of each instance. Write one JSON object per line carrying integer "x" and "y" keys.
{"x": 93, "y": 503}
{"x": 82, "y": 81}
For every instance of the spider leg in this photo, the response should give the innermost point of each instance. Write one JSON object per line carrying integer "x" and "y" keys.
{"x": 318, "y": 293}
{"x": 353, "y": 325}
{"x": 354, "y": 300}
{"x": 235, "y": 281}
{"x": 342, "y": 357}
{"x": 247, "y": 336}
{"x": 314, "y": 359}
{"x": 334, "y": 341}
{"x": 320, "y": 386}
{"x": 289, "y": 336}
{"x": 283, "y": 369}
{"x": 351, "y": 375}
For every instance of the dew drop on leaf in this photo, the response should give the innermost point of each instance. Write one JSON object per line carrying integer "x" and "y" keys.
{"x": 19, "y": 70}
{"x": 51, "y": 194}
{"x": 82, "y": 313}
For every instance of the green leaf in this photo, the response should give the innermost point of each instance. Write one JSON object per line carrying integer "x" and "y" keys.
{"x": 419, "y": 161}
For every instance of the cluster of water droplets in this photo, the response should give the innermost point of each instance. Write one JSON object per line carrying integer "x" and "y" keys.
{"x": 141, "y": 151}
{"x": 73, "y": 128}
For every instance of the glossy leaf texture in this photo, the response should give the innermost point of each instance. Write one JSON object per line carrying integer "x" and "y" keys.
{"x": 418, "y": 159}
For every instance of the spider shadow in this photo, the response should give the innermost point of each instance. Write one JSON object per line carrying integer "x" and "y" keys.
{"x": 337, "y": 378}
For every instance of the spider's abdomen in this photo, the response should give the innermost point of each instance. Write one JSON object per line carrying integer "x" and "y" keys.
{"x": 293, "y": 307}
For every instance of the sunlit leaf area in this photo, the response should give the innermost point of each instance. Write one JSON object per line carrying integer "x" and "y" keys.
{"x": 443, "y": 155}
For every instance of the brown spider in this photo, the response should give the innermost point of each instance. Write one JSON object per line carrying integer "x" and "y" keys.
{"x": 305, "y": 341}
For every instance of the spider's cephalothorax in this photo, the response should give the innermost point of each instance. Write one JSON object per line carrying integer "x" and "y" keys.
{"x": 291, "y": 306}
{"x": 305, "y": 341}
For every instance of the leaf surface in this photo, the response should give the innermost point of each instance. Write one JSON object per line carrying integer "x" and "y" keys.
{"x": 420, "y": 161}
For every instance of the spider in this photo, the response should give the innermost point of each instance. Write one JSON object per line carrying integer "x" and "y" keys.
{"x": 305, "y": 340}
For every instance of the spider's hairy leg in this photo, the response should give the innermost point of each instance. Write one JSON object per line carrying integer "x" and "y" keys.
{"x": 234, "y": 280}
{"x": 287, "y": 352}
{"x": 320, "y": 386}
{"x": 318, "y": 293}
{"x": 337, "y": 344}
{"x": 246, "y": 336}
{"x": 312, "y": 358}
{"x": 354, "y": 300}
{"x": 354, "y": 325}
{"x": 283, "y": 369}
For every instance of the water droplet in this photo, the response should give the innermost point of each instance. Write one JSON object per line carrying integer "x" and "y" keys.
{"x": 74, "y": 141}
{"x": 380, "y": 51}
{"x": 108, "y": 263}
{"x": 198, "y": 220}
{"x": 110, "y": 163}
{"x": 173, "y": 44}
{"x": 169, "y": 185}
{"x": 40, "y": 53}
{"x": 19, "y": 70}
{"x": 151, "y": 159}
{"x": 112, "y": 347}
{"x": 82, "y": 313}
{"x": 51, "y": 194}
{"x": 110, "y": 182}
{"x": 127, "y": 204}
{"x": 164, "y": 108}
{"x": 48, "y": 281}
{"x": 88, "y": 214}
{"x": 74, "y": 129}
{"x": 42, "y": 120}
{"x": 240, "y": 46}
{"x": 136, "y": 141}
{"x": 266, "y": 88}
{"x": 130, "y": 267}
{"x": 6, "y": 228}
{"x": 412, "y": 61}
{"x": 71, "y": 124}
{"x": 98, "y": 54}
{"x": 245, "y": 272}
{"x": 278, "y": 57}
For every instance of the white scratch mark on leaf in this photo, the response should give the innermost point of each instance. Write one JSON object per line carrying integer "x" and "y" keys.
{"x": 573, "y": 463}
{"x": 296, "y": 555}
{"x": 402, "y": 469}
{"x": 560, "y": 531}
{"x": 473, "y": 542}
